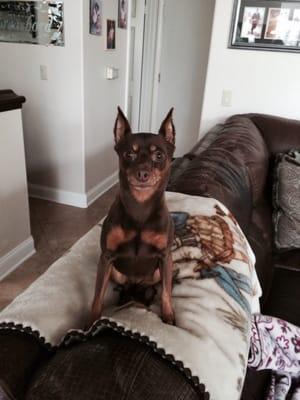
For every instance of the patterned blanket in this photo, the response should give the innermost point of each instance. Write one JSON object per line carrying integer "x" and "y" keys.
{"x": 275, "y": 345}
{"x": 214, "y": 293}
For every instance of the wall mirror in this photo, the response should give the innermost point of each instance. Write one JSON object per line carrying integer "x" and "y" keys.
{"x": 35, "y": 22}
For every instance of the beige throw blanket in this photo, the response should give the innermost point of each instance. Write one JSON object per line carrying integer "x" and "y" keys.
{"x": 215, "y": 290}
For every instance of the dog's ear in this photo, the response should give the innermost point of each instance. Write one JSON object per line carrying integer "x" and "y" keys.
{"x": 167, "y": 128}
{"x": 122, "y": 127}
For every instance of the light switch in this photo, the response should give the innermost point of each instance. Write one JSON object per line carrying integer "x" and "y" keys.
{"x": 111, "y": 73}
{"x": 226, "y": 98}
{"x": 44, "y": 72}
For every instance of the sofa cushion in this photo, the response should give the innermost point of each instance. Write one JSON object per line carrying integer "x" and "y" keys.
{"x": 247, "y": 144}
{"x": 232, "y": 169}
{"x": 22, "y": 354}
{"x": 280, "y": 134}
{"x": 256, "y": 384}
{"x": 286, "y": 201}
{"x": 260, "y": 239}
{"x": 283, "y": 301}
{"x": 289, "y": 259}
{"x": 110, "y": 367}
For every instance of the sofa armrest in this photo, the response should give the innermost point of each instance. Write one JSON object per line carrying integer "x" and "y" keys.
{"x": 20, "y": 354}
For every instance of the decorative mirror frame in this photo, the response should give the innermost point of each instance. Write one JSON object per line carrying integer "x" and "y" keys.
{"x": 34, "y": 22}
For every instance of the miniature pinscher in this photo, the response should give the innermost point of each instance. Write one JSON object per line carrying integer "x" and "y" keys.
{"x": 137, "y": 233}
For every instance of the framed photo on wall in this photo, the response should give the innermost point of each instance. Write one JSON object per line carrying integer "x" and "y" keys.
{"x": 110, "y": 34}
{"x": 96, "y": 17}
{"x": 265, "y": 25}
{"x": 122, "y": 14}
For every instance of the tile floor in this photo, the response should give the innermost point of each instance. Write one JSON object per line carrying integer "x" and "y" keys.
{"x": 55, "y": 228}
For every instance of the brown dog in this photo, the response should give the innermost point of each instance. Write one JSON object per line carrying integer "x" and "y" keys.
{"x": 137, "y": 233}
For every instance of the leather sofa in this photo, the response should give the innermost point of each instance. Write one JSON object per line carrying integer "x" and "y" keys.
{"x": 234, "y": 164}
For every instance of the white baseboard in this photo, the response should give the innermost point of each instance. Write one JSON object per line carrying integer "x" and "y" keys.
{"x": 16, "y": 256}
{"x": 82, "y": 200}
{"x": 102, "y": 187}
{"x": 57, "y": 195}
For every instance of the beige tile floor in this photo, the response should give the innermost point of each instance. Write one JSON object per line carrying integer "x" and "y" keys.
{"x": 55, "y": 228}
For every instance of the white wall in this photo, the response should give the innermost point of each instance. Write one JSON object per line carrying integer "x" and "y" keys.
{"x": 260, "y": 81}
{"x": 68, "y": 119}
{"x": 102, "y": 96}
{"x": 14, "y": 210}
{"x": 184, "y": 56}
{"x": 52, "y": 114}
{"x": 16, "y": 243}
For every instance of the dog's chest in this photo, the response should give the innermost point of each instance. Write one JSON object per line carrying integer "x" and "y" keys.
{"x": 135, "y": 242}
{"x": 136, "y": 253}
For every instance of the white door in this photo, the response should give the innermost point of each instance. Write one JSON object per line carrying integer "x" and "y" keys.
{"x": 136, "y": 62}
{"x": 185, "y": 41}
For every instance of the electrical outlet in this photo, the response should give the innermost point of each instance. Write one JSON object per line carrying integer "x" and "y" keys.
{"x": 226, "y": 98}
{"x": 44, "y": 72}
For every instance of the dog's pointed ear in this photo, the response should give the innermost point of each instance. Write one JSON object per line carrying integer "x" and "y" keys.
{"x": 167, "y": 128}
{"x": 122, "y": 127}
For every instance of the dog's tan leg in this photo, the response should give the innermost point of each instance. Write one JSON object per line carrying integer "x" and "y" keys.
{"x": 166, "y": 271}
{"x": 103, "y": 275}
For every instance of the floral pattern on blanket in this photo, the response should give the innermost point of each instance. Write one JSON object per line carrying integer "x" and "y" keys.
{"x": 275, "y": 345}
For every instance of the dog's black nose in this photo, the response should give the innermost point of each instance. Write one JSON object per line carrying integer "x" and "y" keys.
{"x": 143, "y": 175}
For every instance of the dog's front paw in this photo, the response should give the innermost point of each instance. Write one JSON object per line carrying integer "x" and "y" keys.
{"x": 168, "y": 316}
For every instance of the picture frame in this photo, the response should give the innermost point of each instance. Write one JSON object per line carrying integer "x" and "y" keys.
{"x": 110, "y": 34}
{"x": 96, "y": 17}
{"x": 32, "y": 22}
{"x": 122, "y": 14}
{"x": 269, "y": 25}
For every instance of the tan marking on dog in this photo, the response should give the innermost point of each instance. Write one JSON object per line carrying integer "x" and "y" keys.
{"x": 143, "y": 195}
{"x": 118, "y": 277}
{"x": 117, "y": 236}
{"x": 153, "y": 147}
{"x": 135, "y": 147}
{"x": 158, "y": 240}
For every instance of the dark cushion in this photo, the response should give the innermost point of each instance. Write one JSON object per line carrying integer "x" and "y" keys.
{"x": 245, "y": 141}
{"x": 5, "y": 393}
{"x": 260, "y": 239}
{"x": 283, "y": 301}
{"x": 286, "y": 201}
{"x": 110, "y": 367}
{"x": 20, "y": 355}
{"x": 256, "y": 384}
{"x": 280, "y": 134}
{"x": 216, "y": 172}
{"x": 288, "y": 259}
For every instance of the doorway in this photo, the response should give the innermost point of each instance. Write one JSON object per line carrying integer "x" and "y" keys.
{"x": 169, "y": 50}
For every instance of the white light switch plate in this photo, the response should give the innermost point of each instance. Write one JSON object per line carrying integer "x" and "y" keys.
{"x": 111, "y": 73}
{"x": 226, "y": 98}
{"x": 44, "y": 72}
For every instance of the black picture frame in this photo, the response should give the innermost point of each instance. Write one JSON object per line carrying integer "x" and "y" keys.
{"x": 268, "y": 25}
{"x": 96, "y": 17}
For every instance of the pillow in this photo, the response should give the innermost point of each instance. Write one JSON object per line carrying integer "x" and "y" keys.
{"x": 286, "y": 201}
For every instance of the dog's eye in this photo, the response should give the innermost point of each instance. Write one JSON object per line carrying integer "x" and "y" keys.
{"x": 130, "y": 155}
{"x": 158, "y": 156}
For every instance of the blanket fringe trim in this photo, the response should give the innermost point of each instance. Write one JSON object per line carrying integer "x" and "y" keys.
{"x": 27, "y": 330}
{"x": 82, "y": 336}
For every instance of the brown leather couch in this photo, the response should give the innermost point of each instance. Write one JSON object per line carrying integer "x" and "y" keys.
{"x": 234, "y": 164}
